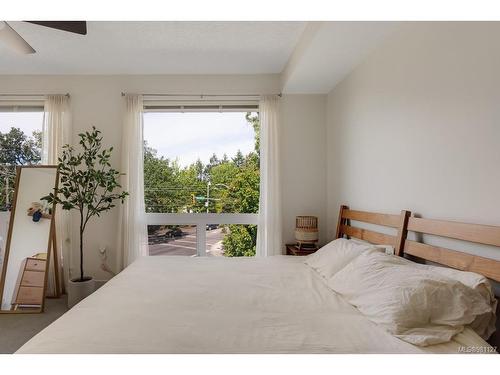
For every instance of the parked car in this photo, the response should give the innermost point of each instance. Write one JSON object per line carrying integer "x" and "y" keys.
{"x": 212, "y": 226}
{"x": 174, "y": 232}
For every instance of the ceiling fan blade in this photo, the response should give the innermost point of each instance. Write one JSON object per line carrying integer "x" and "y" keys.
{"x": 12, "y": 39}
{"x": 77, "y": 27}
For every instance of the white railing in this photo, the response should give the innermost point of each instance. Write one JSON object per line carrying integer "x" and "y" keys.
{"x": 201, "y": 221}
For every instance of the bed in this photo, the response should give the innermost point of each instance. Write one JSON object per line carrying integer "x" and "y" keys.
{"x": 234, "y": 305}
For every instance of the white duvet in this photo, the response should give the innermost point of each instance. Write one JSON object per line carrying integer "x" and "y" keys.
{"x": 221, "y": 305}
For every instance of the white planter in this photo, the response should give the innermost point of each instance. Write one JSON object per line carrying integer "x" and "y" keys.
{"x": 78, "y": 290}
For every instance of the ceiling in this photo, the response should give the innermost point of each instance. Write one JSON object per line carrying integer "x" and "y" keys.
{"x": 155, "y": 48}
{"x": 312, "y": 57}
{"x": 328, "y": 51}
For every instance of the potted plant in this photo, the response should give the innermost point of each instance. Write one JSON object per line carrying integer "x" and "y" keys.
{"x": 87, "y": 185}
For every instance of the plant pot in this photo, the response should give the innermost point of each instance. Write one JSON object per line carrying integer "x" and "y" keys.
{"x": 78, "y": 290}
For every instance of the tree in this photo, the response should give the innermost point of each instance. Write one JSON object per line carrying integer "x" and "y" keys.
{"x": 239, "y": 159}
{"x": 87, "y": 182}
{"x": 16, "y": 148}
{"x": 240, "y": 241}
{"x": 223, "y": 175}
{"x": 200, "y": 170}
{"x": 244, "y": 189}
{"x": 253, "y": 119}
{"x": 213, "y": 162}
{"x": 160, "y": 183}
{"x": 192, "y": 183}
{"x": 244, "y": 192}
{"x": 19, "y": 149}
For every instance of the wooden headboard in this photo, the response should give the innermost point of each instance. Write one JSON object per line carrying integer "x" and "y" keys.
{"x": 404, "y": 223}
{"x": 475, "y": 233}
{"x": 397, "y": 222}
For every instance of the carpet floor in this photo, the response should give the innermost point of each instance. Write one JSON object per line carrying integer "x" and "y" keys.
{"x": 17, "y": 329}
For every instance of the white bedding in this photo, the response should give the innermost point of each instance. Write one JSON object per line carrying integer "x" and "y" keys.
{"x": 221, "y": 305}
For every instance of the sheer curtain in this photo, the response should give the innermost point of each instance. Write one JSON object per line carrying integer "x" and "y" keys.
{"x": 133, "y": 237}
{"x": 56, "y": 127}
{"x": 57, "y": 133}
{"x": 269, "y": 229}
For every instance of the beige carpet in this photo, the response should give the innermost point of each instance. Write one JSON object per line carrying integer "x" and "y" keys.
{"x": 16, "y": 329}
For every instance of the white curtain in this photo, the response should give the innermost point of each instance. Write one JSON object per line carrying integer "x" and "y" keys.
{"x": 132, "y": 232}
{"x": 57, "y": 133}
{"x": 269, "y": 227}
{"x": 56, "y": 127}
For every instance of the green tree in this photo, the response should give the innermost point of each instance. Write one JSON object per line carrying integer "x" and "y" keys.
{"x": 160, "y": 182}
{"x": 192, "y": 184}
{"x": 200, "y": 170}
{"x": 88, "y": 183}
{"x": 253, "y": 119}
{"x": 244, "y": 192}
{"x": 244, "y": 195}
{"x": 223, "y": 175}
{"x": 16, "y": 148}
{"x": 240, "y": 241}
{"x": 239, "y": 159}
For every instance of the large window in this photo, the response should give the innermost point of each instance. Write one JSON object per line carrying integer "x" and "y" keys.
{"x": 201, "y": 181}
{"x": 20, "y": 144}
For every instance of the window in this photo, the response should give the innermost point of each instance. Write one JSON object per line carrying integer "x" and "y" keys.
{"x": 20, "y": 144}
{"x": 201, "y": 180}
{"x": 172, "y": 240}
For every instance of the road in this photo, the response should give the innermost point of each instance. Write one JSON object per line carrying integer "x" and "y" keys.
{"x": 186, "y": 245}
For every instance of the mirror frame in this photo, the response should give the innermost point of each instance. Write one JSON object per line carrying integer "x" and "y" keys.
{"x": 19, "y": 170}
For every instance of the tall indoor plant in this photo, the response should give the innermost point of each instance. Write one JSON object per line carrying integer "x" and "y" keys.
{"x": 87, "y": 184}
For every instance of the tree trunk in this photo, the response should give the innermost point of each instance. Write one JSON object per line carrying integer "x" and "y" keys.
{"x": 81, "y": 255}
{"x": 81, "y": 252}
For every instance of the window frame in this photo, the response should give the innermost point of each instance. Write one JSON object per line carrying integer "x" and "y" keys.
{"x": 23, "y": 108}
{"x": 201, "y": 220}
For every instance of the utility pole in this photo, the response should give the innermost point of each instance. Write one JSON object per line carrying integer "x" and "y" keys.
{"x": 207, "y": 202}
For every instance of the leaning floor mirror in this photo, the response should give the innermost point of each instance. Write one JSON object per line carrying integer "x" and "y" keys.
{"x": 30, "y": 241}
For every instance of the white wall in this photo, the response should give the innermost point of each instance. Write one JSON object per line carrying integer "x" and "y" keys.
{"x": 417, "y": 126}
{"x": 303, "y": 148}
{"x": 96, "y": 100}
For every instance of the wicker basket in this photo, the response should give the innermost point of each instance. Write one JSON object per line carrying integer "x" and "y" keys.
{"x": 306, "y": 229}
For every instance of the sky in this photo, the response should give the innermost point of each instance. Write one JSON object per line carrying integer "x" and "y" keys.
{"x": 26, "y": 121}
{"x": 182, "y": 136}
{"x": 192, "y": 135}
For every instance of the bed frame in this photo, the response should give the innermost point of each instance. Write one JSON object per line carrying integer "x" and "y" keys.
{"x": 397, "y": 223}
{"x": 475, "y": 233}
{"x": 404, "y": 222}
{"x": 419, "y": 251}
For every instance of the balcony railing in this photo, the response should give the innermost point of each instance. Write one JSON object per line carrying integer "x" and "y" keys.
{"x": 201, "y": 220}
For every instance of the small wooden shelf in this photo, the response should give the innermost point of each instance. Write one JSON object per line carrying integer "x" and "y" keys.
{"x": 29, "y": 286}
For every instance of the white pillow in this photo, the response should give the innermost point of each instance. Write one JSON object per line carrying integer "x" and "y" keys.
{"x": 411, "y": 301}
{"x": 335, "y": 255}
{"x": 388, "y": 249}
{"x": 483, "y": 325}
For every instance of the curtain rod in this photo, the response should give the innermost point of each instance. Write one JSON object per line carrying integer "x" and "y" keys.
{"x": 67, "y": 95}
{"x": 206, "y": 95}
